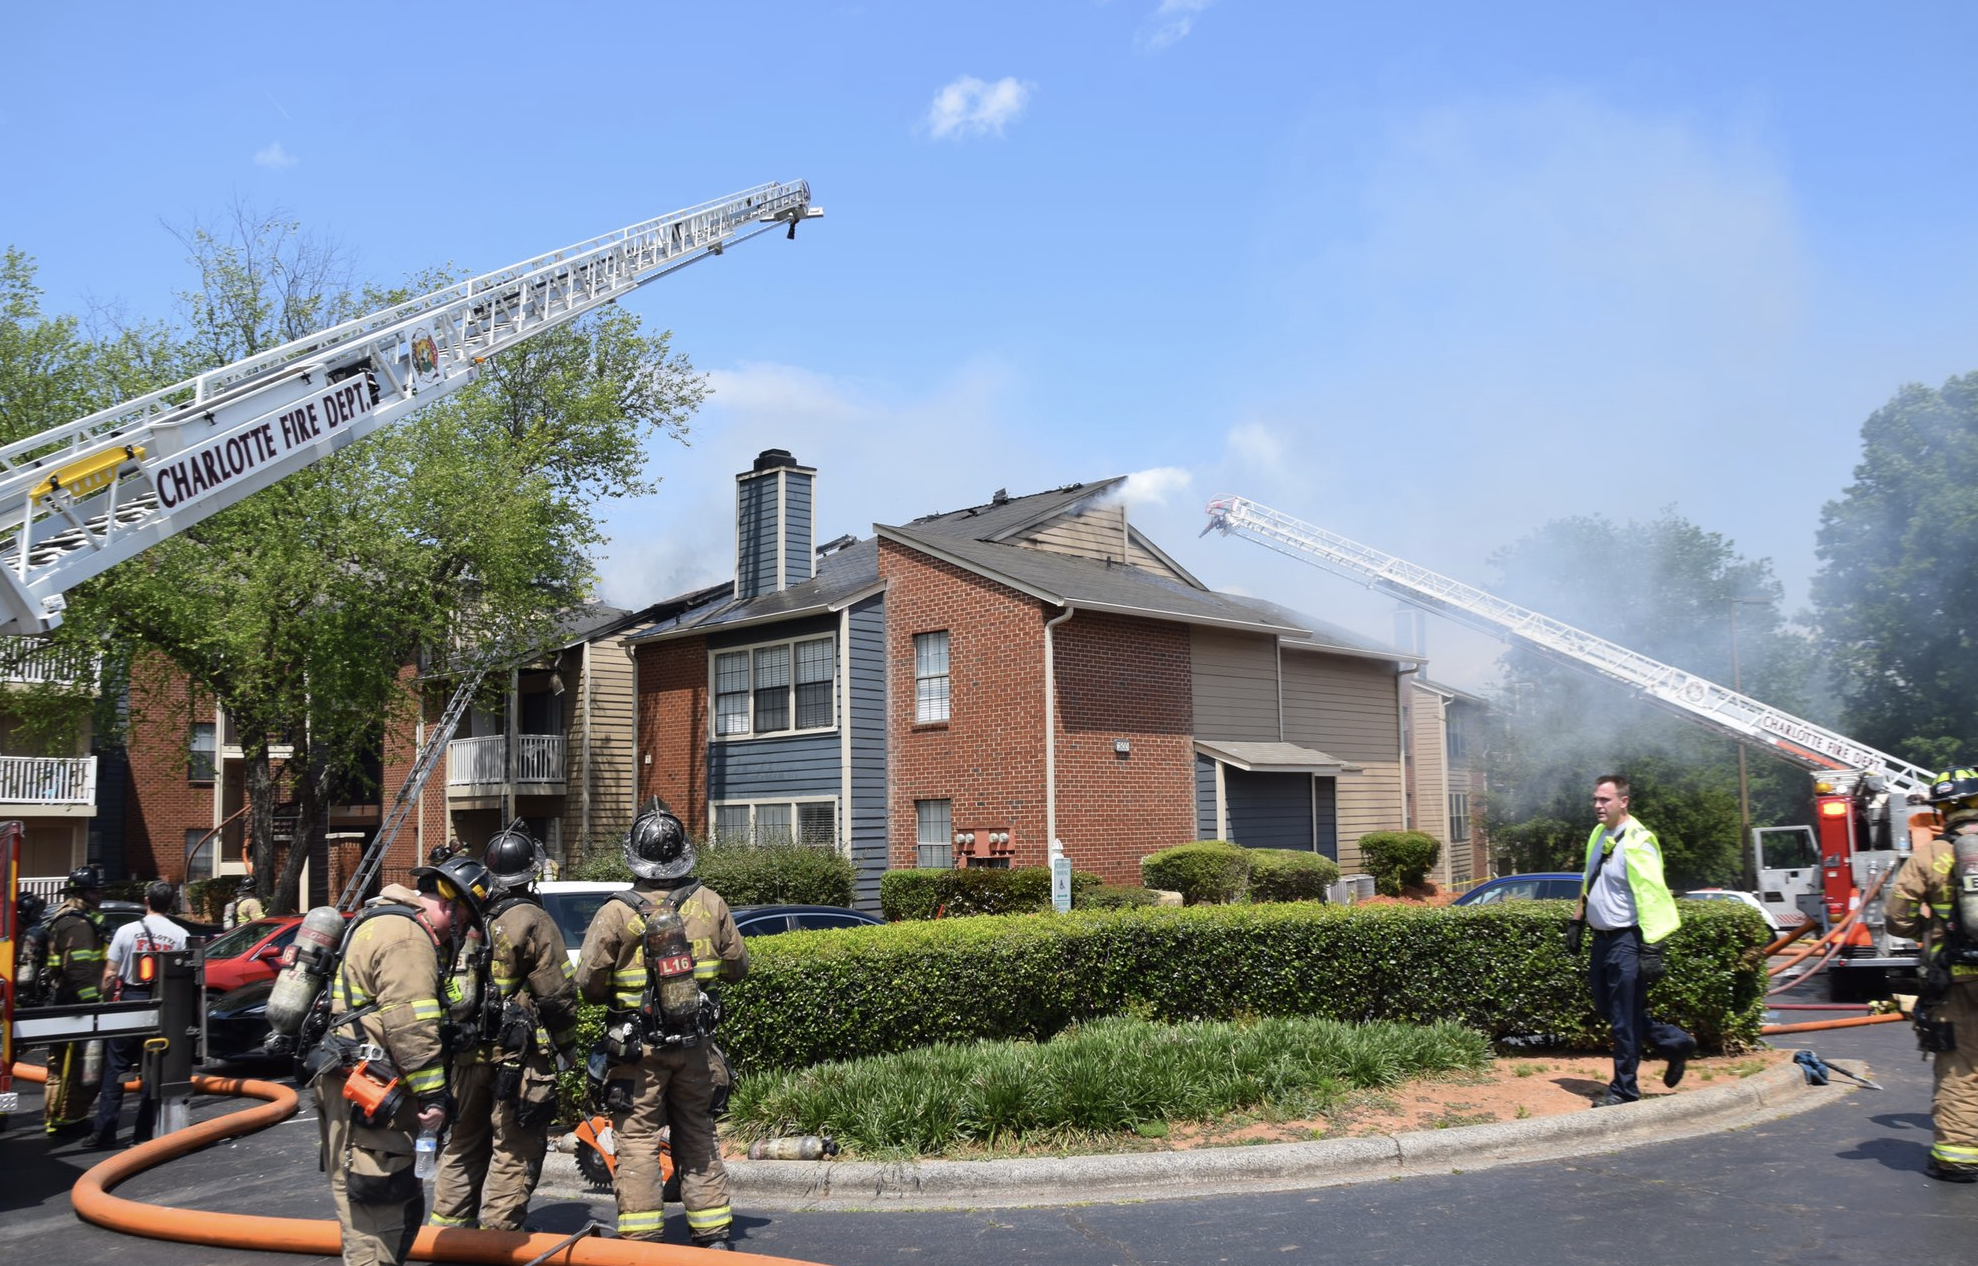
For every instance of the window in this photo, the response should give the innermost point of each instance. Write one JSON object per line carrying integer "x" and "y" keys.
{"x": 1459, "y": 817}
{"x": 199, "y": 761}
{"x": 930, "y": 677}
{"x": 777, "y": 822}
{"x": 935, "y": 835}
{"x": 774, "y": 688}
{"x": 1458, "y": 743}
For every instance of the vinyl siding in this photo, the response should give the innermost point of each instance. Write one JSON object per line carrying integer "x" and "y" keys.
{"x": 1346, "y": 707}
{"x": 755, "y": 526}
{"x": 1235, "y": 686}
{"x": 605, "y": 777}
{"x": 1428, "y": 763}
{"x": 1368, "y": 801}
{"x": 804, "y": 765}
{"x": 1138, "y": 555}
{"x": 865, "y": 713}
{"x": 1091, "y": 532}
{"x": 1269, "y": 810}
{"x": 798, "y": 533}
{"x": 1325, "y": 812}
{"x": 1205, "y": 798}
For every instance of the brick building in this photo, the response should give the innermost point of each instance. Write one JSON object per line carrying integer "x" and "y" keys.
{"x": 962, "y": 689}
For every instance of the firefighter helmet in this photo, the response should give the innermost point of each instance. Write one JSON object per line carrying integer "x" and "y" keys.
{"x": 513, "y": 858}
{"x": 1955, "y": 793}
{"x": 28, "y": 909}
{"x": 84, "y": 878}
{"x": 656, "y": 847}
{"x": 458, "y": 878}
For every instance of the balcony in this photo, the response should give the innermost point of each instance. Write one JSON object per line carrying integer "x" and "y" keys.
{"x": 62, "y": 786}
{"x": 480, "y": 766}
{"x": 33, "y": 661}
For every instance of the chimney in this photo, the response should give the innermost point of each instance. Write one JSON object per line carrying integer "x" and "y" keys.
{"x": 774, "y": 532}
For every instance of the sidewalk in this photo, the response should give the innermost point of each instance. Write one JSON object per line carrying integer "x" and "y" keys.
{"x": 836, "y": 1184}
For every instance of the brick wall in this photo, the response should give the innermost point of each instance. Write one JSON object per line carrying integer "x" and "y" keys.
{"x": 1123, "y": 679}
{"x": 673, "y": 719}
{"x": 161, "y": 802}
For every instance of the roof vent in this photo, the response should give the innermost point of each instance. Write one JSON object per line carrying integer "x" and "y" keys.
{"x": 770, "y": 458}
{"x": 1001, "y": 497}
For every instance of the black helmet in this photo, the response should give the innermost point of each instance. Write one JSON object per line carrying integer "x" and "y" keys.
{"x": 458, "y": 878}
{"x": 513, "y": 858}
{"x": 85, "y": 877}
{"x": 439, "y": 853}
{"x": 656, "y": 847}
{"x": 28, "y": 909}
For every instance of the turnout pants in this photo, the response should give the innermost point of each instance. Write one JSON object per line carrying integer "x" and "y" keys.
{"x": 1618, "y": 994}
{"x": 67, "y": 1098}
{"x": 492, "y": 1160}
{"x": 671, "y": 1085}
{"x": 380, "y": 1202}
{"x": 1954, "y": 1103}
{"x": 464, "y": 1159}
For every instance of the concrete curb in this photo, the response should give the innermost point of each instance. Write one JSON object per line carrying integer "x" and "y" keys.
{"x": 834, "y": 1184}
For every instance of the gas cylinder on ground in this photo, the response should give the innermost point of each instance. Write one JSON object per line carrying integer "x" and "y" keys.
{"x": 794, "y": 1147}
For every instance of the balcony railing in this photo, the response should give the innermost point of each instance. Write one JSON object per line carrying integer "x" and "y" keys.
{"x": 34, "y": 661}
{"x": 29, "y": 780}
{"x": 480, "y": 761}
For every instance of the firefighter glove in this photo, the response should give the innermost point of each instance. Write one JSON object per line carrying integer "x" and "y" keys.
{"x": 1575, "y": 930}
{"x": 1653, "y": 965}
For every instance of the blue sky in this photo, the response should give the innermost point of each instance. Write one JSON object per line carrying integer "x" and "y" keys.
{"x": 1427, "y": 274}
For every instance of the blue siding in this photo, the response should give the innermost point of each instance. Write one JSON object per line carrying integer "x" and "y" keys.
{"x": 1325, "y": 799}
{"x": 809, "y": 626}
{"x": 866, "y": 714}
{"x": 756, "y": 769}
{"x": 755, "y": 526}
{"x": 797, "y": 556}
{"x": 1269, "y": 810}
{"x": 1205, "y": 797}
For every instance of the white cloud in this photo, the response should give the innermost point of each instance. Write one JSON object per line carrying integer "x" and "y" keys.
{"x": 969, "y": 107}
{"x": 1153, "y": 487}
{"x": 274, "y": 157}
{"x": 1171, "y": 22}
{"x": 1253, "y": 444}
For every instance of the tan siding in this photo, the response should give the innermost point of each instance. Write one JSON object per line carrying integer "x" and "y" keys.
{"x": 1235, "y": 686}
{"x": 608, "y": 780}
{"x": 1140, "y": 556}
{"x": 1343, "y": 706}
{"x": 1368, "y": 801}
{"x": 1090, "y": 532}
{"x": 1428, "y": 765}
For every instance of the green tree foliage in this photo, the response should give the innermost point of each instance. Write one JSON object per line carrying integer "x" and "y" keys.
{"x": 1897, "y": 591}
{"x": 1663, "y": 588}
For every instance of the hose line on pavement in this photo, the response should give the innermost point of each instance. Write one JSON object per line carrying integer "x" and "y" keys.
{"x": 322, "y": 1237}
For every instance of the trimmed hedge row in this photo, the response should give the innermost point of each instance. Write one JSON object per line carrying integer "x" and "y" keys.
{"x": 752, "y": 874}
{"x": 953, "y": 892}
{"x": 1215, "y": 872}
{"x": 817, "y": 996}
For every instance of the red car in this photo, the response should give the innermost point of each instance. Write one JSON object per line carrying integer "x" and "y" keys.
{"x": 251, "y": 952}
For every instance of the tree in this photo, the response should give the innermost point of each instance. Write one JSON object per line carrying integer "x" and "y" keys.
{"x": 1895, "y": 594}
{"x": 1662, "y": 588}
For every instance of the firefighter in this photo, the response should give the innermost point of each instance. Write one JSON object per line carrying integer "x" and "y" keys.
{"x": 1936, "y": 902}
{"x": 74, "y": 970}
{"x": 29, "y": 908}
{"x": 507, "y": 1097}
{"x": 394, "y": 966}
{"x": 658, "y": 1028}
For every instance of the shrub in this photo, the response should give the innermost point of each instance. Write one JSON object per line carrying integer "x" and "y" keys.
{"x": 1112, "y": 897}
{"x": 207, "y": 898}
{"x": 944, "y": 892}
{"x": 1207, "y": 872}
{"x": 1398, "y": 859}
{"x": 1279, "y": 874}
{"x": 750, "y": 874}
{"x": 811, "y": 997}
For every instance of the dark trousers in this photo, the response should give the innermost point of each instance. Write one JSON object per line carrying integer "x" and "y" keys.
{"x": 122, "y": 1056}
{"x": 1618, "y": 994}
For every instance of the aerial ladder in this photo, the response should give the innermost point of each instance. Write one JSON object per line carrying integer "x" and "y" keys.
{"x": 1864, "y": 820}
{"x": 84, "y": 496}
{"x": 81, "y": 497}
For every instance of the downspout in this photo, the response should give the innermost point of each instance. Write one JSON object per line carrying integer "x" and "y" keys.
{"x": 1401, "y": 685}
{"x": 631, "y": 650}
{"x": 1051, "y": 845}
{"x": 590, "y": 774}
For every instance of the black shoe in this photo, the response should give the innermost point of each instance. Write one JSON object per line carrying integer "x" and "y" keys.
{"x": 1610, "y": 1099}
{"x": 1943, "y": 1174}
{"x": 70, "y": 1129}
{"x": 719, "y": 1246}
{"x": 106, "y": 1141}
{"x": 1677, "y": 1064}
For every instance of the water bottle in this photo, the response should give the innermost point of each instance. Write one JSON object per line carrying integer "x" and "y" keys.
{"x": 794, "y": 1147}
{"x": 425, "y": 1153}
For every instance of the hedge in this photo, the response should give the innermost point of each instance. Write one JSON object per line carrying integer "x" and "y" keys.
{"x": 751, "y": 874}
{"x": 1206, "y": 872}
{"x": 1398, "y": 859}
{"x": 817, "y": 996}
{"x": 1282, "y": 874}
{"x": 950, "y": 892}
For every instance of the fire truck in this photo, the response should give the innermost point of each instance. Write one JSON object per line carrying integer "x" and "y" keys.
{"x": 86, "y": 495}
{"x": 1869, "y": 810}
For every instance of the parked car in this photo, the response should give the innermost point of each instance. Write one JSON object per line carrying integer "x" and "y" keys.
{"x": 1772, "y": 920}
{"x": 237, "y": 1024}
{"x": 769, "y": 920}
{"x": 253, "y": 951}
{"x": 573, "y": 903}
{"x": 1558, "y": 885}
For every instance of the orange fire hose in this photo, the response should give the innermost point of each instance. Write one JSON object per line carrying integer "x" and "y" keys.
{"x": 324, "y": 1237}
{"x": 1833, "y": 933}
{"x": 1780, "y": 944}
{"x": 1844, "y": 1022}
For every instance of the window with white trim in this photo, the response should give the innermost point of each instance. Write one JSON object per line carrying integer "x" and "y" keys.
{"x": 930, "y": 677}
{"x": 776, "y": 822}
{"x": 200, "y": 763}
{"x": 1459, "y": 817}
{"x": 775, "y": 688}
{"x": 934, "y": 836}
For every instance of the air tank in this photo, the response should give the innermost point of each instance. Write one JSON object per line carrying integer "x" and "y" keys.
{"x": 310, "y": 961}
